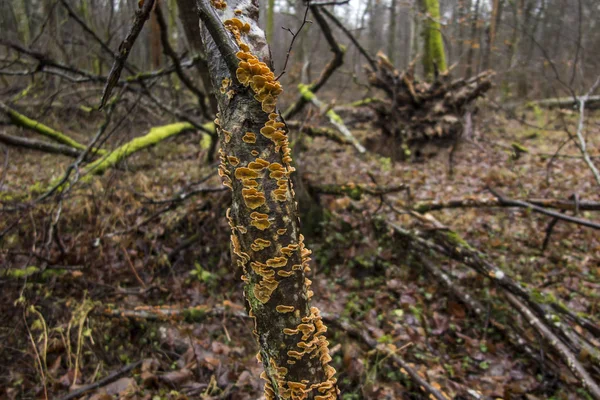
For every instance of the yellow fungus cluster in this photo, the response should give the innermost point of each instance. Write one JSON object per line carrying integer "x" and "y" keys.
{"x": 260, "y": 221}
{"x": 223, "y": 172}
{"x": 219, "y": 4}
{"x": 267, "y": 274}
{"x": 260, "y": 244}
{"x": 249, "y": 137}
{"x": 253, "y": 197}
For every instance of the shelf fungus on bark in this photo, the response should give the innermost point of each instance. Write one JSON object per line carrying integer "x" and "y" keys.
{"x": 256, "y": 163}
{"x": 249, "y": 138}
{"x": 219, "y": 4}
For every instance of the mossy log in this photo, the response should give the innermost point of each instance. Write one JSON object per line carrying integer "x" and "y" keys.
{"x": 21, "y": 120}
{"x": 592, "y": 103}
{"x": 154, "y": 136}
{"x": 39, "y": 145}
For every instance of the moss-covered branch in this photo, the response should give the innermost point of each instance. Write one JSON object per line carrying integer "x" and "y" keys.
{"x": 334, "y": 118}
{"x": 39, "y": 145}
{"x": 21, "y": 120}
{"x": 154, "y": 136}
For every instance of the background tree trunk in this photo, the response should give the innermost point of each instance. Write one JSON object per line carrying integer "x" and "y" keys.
{"x": 434, "y": 57}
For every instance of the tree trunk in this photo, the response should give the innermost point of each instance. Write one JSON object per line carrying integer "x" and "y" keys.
{"x": 434, "y": 58}
{"x": 472, "y": 45}
{"x": 191, "y": 28}
{"x": 270, "y": 20}
{"x": 391, "y": 50}
{"x": 495, "y": 19}
{"x": 265, "y": 237}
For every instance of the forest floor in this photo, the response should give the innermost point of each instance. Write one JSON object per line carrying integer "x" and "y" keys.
{"x": 129, "y": 253}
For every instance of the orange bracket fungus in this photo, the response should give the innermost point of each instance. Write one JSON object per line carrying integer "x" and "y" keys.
{"x": 256, "y": 165}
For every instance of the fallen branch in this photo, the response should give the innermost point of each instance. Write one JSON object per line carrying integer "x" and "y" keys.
{"x": 335, "y": 119}
{"x": 474, "y": 305}
{"x": 154, "y": 136}
{"x": 356, "y": 190}
{"x": 102, "y": 382}
{"x": 593, "y": 102}
{"x": 523, "y": 204}
{"x": 39, "y": 145}
{"x": 369, "y": 341}
{"x": 21, "y": 120}
{"x": 563, "y": 351}
{"x": 316, "y": 131}
{"x": 580, "y": 125}
{"x": 485, "y": 202}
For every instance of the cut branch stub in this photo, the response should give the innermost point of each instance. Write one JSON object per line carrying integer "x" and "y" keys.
{"x": 265, "y": 240}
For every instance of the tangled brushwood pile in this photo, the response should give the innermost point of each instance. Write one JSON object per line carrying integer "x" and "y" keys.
{"x": 417, "y": 112}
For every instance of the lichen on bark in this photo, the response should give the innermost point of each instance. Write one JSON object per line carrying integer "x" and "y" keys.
{"x": 265, "y": 238}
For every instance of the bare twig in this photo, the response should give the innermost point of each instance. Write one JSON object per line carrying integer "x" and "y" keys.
{"x": 141, "y": 16}
{"x": 102, "y": 382}
{"x": 335, "y": 63}
{"x": 164, "y": 38}
{"x": 582, "y": 144}
{"x": 294, "y": 36}
{"x": 518, "y": 203}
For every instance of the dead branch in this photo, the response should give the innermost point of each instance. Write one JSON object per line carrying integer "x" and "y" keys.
{"x": 350, "y": 36}
{"x": 39, "y": 145}
{"x": 294, "y": 37}
{"x": 563, "y": 351}
{"x": 523, "y": 204}
{"x": 475, "y": 306}
{"x": 164, "y": 38}
{"x": 318, "y": 131}
{"x": 335, "y": 63}
{"x": 581, "y": 144}
{"x": 485, "y": 202}
{"x": 592, "y": 102}
{"x": 141, "y": 16}
{"x": 335, "y": 119}
{"x": 102, "y": 382}
{"x": 372, "y": 343}
{"x": 356, "y": 190}
{"x": 21, "y": 120}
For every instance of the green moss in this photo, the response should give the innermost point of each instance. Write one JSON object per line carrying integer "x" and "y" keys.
{"x": 519, "y": 148}
{"x": 205, "y": 142}
{"x": 456, "y": 240}
{"x": 154, "y": 136}
{"x": 433, "y": 41}
{"x": 305, "y": 92}
{"x": 335, "y": 117}
{"x": 25, "y": 122}
{"x": 363, "y": 102}
{"x": 192, "y": 315}
{"x": 17, "y": 273}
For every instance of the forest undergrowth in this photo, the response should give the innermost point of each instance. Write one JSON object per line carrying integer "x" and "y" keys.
{"x": 139, "y": 273}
